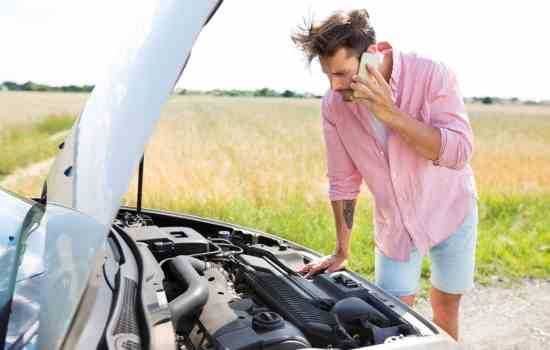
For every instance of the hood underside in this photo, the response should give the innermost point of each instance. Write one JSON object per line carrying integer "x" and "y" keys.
{"x": 95, "y": 163}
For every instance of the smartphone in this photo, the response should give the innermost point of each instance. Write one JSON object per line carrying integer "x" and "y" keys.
{"x": 372, "y": 59}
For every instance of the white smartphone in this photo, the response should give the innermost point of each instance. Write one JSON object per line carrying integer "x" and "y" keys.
{"x": 372, "y": 59}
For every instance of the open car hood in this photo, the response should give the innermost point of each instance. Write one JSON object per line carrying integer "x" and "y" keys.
{"x": 94, "y": 166}
{"x": 95, "y": 163}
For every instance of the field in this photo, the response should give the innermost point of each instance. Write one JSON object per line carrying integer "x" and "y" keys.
{"x": 260, "y": 163}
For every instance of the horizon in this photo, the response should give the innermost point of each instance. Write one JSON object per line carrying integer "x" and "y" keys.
{"x": 178, "y": 91}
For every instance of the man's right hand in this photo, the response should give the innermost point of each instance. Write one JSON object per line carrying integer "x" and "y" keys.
{"x": 330, "y": 263}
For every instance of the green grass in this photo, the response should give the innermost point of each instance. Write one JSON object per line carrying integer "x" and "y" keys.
{"x": 514, "y": 236}
{"x": 54, "y": 124}
{"x": 513, "y": 232}
{"x": 310, "y": 225}
{"x": 24, "y": 145}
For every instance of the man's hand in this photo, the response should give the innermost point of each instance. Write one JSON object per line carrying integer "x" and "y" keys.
{"x": 376, "y": 94}
{"x": 328, "y": 263}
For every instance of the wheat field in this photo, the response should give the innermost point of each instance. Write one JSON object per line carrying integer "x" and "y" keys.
{"x": 270, "y": 150}
{"x": 225, "y": 146}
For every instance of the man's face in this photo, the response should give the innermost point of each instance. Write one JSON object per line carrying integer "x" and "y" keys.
{"x": 339, "y": 69}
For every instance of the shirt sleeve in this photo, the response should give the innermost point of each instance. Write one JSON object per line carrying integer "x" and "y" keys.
{"x": 448, "y": 114}
{"x": 344, "y": 178}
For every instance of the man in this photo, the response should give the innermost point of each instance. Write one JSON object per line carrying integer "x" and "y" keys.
{"x": 405, "y": 132}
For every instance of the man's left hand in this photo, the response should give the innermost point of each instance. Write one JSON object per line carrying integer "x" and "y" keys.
{"x": 376, "y": 94}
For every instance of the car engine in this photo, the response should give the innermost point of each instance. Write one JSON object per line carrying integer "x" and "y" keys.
{"x": 232, "y": 289}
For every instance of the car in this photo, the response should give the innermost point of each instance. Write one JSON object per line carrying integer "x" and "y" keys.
{"x": 80, "y": 271}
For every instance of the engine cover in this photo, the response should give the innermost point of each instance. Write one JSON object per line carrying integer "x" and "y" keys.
{"x": 229, "y": 321}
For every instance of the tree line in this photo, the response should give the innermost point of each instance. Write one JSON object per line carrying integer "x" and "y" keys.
{"x": 31, "y": 86}
{"x": 489, "y": 100}
{"x": 263, "y": 92}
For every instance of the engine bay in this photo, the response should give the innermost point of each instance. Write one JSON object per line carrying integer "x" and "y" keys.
{"x": 230, "y": 288}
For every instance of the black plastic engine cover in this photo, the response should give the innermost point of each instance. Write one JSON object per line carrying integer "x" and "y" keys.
{"x": 229, "y": 321}
{"x": 243, "y": 334}
{"x": 309, "y": 304}
{"x": 320, "y": 326}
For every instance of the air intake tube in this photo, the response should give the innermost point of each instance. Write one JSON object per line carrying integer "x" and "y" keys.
{"x": 188, "y": 304}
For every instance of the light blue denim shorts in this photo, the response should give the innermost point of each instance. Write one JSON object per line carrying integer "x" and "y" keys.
{"x": 452, "y": 263}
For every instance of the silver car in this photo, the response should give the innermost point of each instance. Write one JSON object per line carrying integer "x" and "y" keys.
{"x": 81, "y": 272}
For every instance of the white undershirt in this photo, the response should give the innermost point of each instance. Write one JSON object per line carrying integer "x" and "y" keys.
{"x": 380, "y": 131}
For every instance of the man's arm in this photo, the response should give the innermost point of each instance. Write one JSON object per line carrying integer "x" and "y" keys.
{"x": 344, "y": 211}
{"x": 344, "y": 185}
{"x": 376, "y": 94}
{"x": 424, "y": 138}
{"x": 447, "y": 140}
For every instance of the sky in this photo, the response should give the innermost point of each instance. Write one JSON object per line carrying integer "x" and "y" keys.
{"x": 496, "y": 48}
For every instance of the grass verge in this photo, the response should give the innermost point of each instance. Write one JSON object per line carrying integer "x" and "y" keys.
{"x": 513, "y": 232}
{"x": 24, "y": 145}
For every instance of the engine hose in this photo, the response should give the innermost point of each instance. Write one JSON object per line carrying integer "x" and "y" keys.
{"x": 196, "y": 295}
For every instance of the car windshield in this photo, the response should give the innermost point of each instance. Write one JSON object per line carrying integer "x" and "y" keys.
{"x": 18, "y": 219}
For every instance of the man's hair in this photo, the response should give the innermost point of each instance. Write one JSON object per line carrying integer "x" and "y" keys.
{"x": 350, "y": 30}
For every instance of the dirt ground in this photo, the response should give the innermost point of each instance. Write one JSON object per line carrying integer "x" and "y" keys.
{"x": 504, "y": 318}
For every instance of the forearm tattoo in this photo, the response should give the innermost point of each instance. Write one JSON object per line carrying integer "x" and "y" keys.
{"x": 348, "y": 213}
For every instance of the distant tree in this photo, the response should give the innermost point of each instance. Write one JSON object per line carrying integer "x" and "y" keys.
{"x": 288, "y": 93}
{"x": 31, "y": 86}
{"x": 487, "y": 100}
{"x": 12, "y": 86}
{"x": 266, "y": 92}
{"x": 234, "y": 93}
{"x": 42, "y": 88}
{"x": 28, "y": 86}
{"x": 76, "y": 88}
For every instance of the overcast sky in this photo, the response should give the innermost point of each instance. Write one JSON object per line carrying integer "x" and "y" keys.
{"x": 497, "y": 48}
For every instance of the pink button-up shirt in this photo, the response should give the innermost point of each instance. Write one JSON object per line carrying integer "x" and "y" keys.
{"x": 417, "y": 201}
